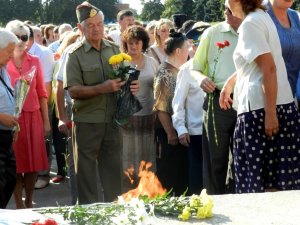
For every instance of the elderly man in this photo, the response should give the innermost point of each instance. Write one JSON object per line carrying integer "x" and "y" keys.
{"x": 7, "y": 121}
{"x": 96, "y": 138}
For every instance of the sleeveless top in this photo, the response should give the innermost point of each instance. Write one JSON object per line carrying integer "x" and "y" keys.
{"x": 290, "y": 44}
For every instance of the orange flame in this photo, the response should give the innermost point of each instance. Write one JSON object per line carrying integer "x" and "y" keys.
{"x": 149, "y": 184}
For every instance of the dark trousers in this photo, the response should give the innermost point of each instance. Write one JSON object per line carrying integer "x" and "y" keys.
{"x": 60, "y": 147}
{"x": 172, "y": 164}
{"x": 195, "y": 164}
{"x": 7, "y": 168}
{"x": 97, "y": 145}
{"x": 216, "y": 153}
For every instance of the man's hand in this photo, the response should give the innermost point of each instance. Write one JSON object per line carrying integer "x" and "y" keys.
{"x": 208, "y": 85}
{"x": 184, "y": 139}
{"x": 8, "y": 120}
{"x": 110, "y": 86}
{"x": 134, "y": 86}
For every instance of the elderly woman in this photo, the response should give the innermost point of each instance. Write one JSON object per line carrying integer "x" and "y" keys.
{"x": 287, "y": 24}
{"x": 34, "y": 123}
{"x": 138, "y": 138}
{"x": 172, "y": 156}
{"x": 267, "y": 133}
{"x": 161, "y": 33}
{"x": 8, "y": 42}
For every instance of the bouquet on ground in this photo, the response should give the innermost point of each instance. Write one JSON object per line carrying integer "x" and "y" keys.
{"x": 137, "y": 211}
{"x": 127, "y": 103}
{"x": 22, "y": 86}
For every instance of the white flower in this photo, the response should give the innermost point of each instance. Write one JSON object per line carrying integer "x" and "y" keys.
{"x": 122, "y": 218}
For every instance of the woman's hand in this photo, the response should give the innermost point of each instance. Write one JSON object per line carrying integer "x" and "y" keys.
{"x": 172, "y": 138}
{"x": 47, "y": 128}
{"x": 225, "y": 99}
{"x": 184, "y": 139}
{"x": 134, "y": 86}
{"x": 271, "y": 123}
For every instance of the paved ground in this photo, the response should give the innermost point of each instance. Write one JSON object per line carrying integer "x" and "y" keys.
{"x": 52, "y": 195}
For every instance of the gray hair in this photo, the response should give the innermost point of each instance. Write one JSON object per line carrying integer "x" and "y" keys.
{"x": 7, "y": 37}
{"x": 99, "y": 13}
{"x": 18, "y": 27}
{"x": 64, "y": 27}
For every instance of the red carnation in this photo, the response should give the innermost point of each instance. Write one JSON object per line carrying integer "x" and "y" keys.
{"x": 220, "y": 45}
{"x": 50, "y": 222}
{"x": 226, "y": 43}
{"x": 69, "y": 124}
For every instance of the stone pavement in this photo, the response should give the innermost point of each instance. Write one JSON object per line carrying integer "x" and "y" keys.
{"x": 53, "y": 195}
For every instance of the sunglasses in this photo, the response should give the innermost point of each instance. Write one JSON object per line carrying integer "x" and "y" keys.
{"x": 23, "y": 38}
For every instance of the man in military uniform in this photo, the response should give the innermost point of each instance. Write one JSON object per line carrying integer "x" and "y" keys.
{"x": 96, "y": 139}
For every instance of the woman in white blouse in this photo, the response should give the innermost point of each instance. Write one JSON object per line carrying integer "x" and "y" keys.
{"x": 267, "y": 133}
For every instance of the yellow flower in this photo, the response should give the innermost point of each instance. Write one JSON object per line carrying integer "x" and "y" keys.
{"x": 195, "y": 201}
{"x": 115, "y": 59}
{"x": 186, "y": 214}
{"x": 205, "y": 210}
{"x": 126, "y": 57}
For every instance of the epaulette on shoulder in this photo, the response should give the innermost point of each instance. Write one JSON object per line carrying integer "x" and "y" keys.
{"x": 76, "y": 46}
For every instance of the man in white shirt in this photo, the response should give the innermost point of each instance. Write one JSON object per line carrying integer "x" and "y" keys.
{"x": 125, "y": 19}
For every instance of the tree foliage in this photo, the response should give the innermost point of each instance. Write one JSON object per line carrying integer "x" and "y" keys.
{"x": 172, "y": 7}
{"x": 199, "y": 10}
{"x": 214, "y": 11}
{"x": 151, "y": 10}
{"x": 50, "y": 11}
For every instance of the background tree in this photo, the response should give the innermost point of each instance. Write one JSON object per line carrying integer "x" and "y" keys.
{"x": 214, "y": 11}
{"x": 199, "y": 10}
{"x": 171, "y": 7}
{"x": 296, "y": 5}
{"x": 187, "y": 7}
{"x": 151, "y": 10}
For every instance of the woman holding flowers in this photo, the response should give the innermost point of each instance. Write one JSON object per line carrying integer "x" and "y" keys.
{"x": 138, "y": 137}
{"x": 34, "y": 123}
{"x": 171, "y": 155}
{"x": 267, "y": 133}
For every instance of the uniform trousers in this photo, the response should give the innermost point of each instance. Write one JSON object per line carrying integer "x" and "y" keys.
{"x": 97, "y": 146}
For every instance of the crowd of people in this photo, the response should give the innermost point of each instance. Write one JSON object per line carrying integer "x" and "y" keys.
{"x": 223, "y": 117}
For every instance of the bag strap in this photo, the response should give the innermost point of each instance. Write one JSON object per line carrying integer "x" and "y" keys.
{"x": 8, "y": 88}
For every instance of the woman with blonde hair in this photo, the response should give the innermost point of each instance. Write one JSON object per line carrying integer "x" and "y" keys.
{"x": 161, "y": 34}
{"x": 30, "y": 149}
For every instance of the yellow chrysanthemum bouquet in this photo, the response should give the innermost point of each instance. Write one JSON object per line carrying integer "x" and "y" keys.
{"x": 127, "y": 103}
{"x": 120, "y": 69}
